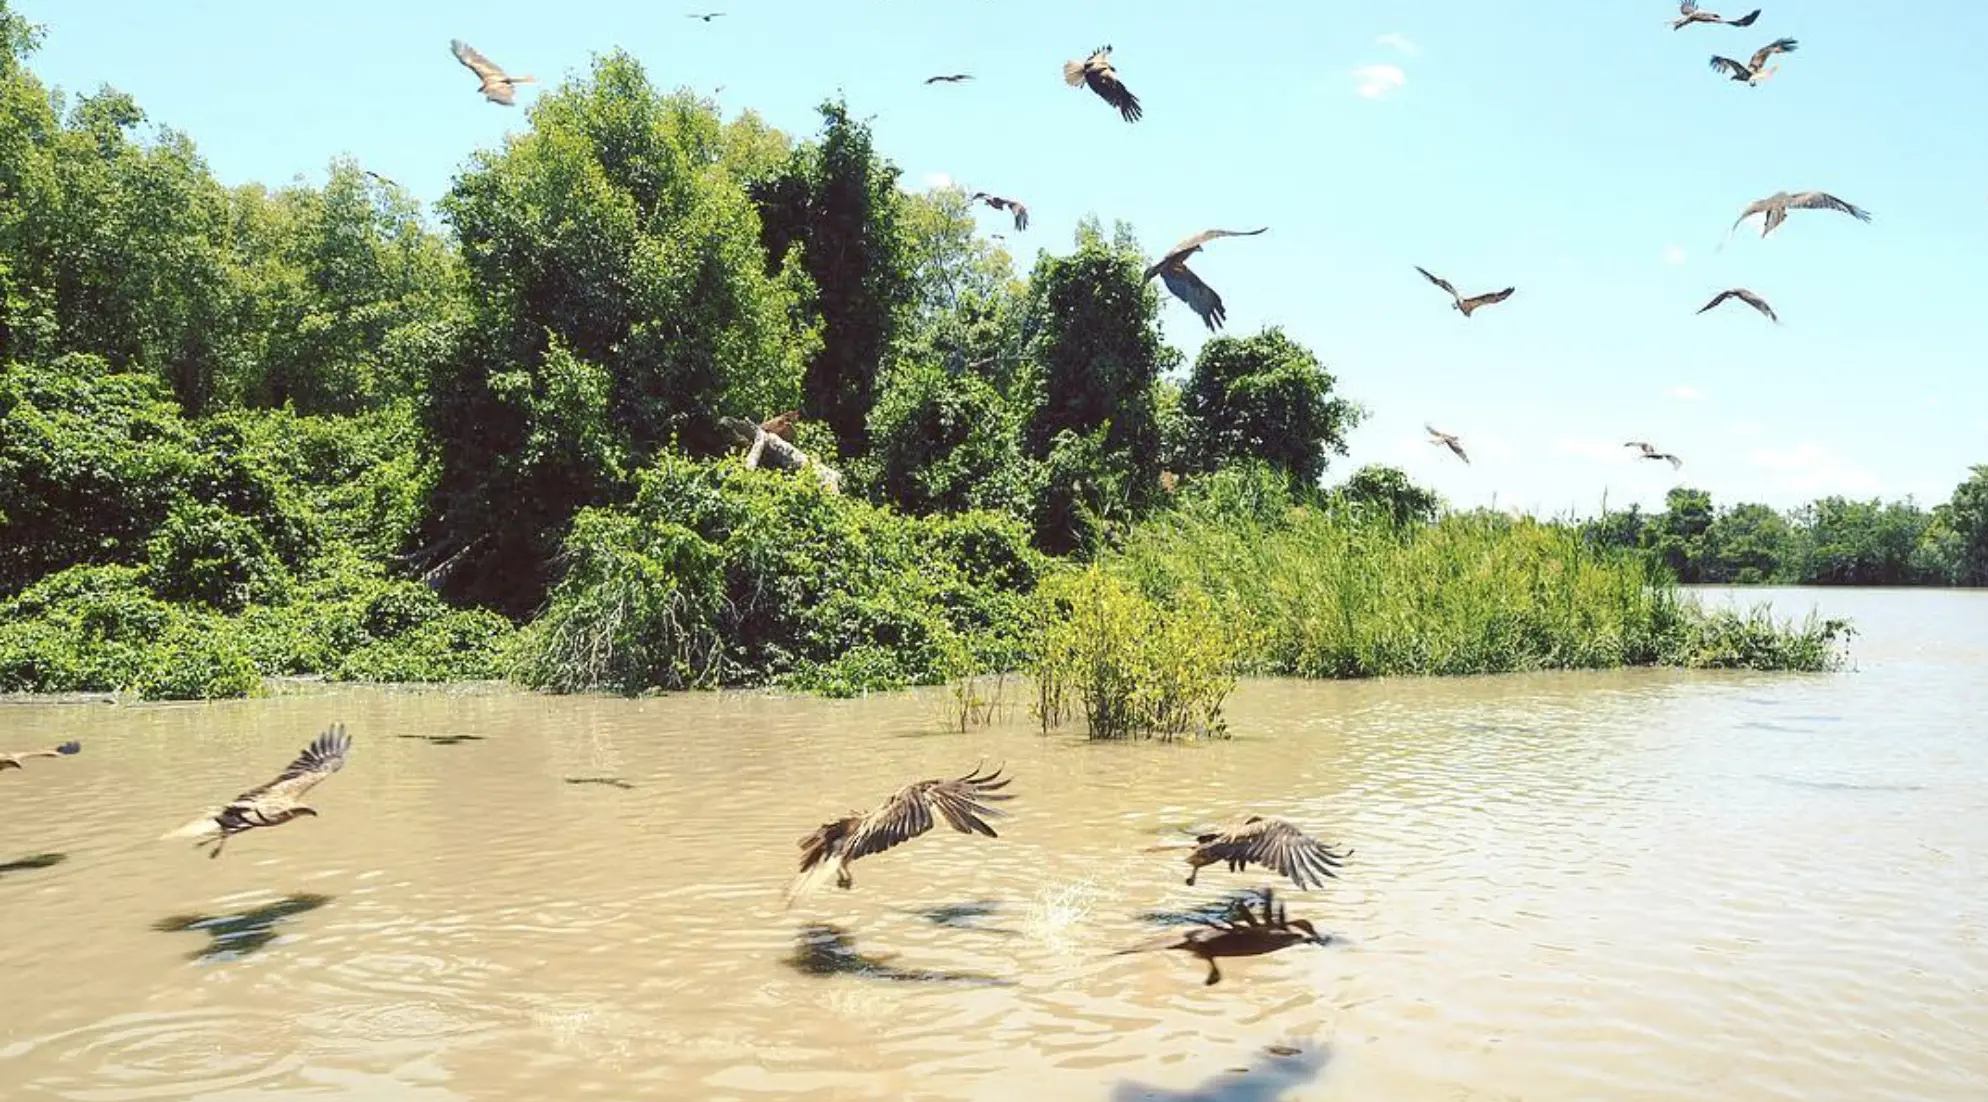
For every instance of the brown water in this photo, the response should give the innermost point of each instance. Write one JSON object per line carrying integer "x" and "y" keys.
{"x": 1642, "y": 885}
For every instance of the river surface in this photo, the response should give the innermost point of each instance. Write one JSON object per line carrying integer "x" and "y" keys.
{"x": 1629, "y": 886}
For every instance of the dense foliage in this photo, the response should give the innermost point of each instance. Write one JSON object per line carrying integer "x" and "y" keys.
{"x": 252, "y": 432}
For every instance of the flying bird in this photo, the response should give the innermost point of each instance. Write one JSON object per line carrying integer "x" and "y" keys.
{"x": 276, "y": 802}
{"x": 1240, "y": 933}
{"x": 13, "y": 761}
{"x": 831, "y": 847}
{"x": 387, "y": 180}
{"x": 1648, "y": 451}
{"x": 1688, "y": 14}
{"x": 498, "y": 86}
{"x": 1752, "y": 72}
{"x": 1273, "y": 843}
{"x": 1452, "y": 443}
{"x": 1013, "y": 206}
{"x": 1776, "y": 207}
{"x": 1747, "y": 297}
{"x": 1465, "y": 304}
{"x": 1097, "y": 71}
{"x": 952, "y": 78}
{"x": 706, "y": 16}
{"x": 1188, "y": 287}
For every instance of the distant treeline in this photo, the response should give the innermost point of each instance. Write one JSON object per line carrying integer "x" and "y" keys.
{"x": 1830, "y": 541}
{"x": 256, "y": 431}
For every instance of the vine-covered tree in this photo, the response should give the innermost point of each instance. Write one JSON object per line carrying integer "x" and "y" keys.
{"x": 1388, "y": 492}
{"x": 1265, "y": 397}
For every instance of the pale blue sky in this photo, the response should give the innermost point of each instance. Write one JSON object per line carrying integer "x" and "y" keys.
{"x": 1578, "y": 149}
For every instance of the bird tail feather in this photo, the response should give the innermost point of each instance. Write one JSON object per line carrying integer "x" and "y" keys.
{"x": 810, "y": 881}
{"x": 199, "y": 828}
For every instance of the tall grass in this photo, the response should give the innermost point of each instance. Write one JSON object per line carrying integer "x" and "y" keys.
{"x": 1332, "y": 593}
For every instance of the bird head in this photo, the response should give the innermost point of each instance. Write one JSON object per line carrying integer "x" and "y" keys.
{"x": 1311, "y": 933}
{"x": 300, "y": 811}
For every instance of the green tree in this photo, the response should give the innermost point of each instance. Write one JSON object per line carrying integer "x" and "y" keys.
{"x": 1388, "y": 492}
{"x": 1747, "y": 544}
{"x": 1265, "y": 397}
{"x": 838, "y": 201}
{"x": 945, "y": 442}
{"x": 1676, "y": 537}
{"x": 1859, "y": 542}
{"x": 1966, "y": 515}
{"x": 622, "y": 302}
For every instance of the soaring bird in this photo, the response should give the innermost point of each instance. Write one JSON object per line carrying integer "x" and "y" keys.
{"x": 1096, "y": 71}
{"x": 950, "y": 78}
{"x": 1745, "y": 296}
{"x": 1465, "y": 304}
{"x": 1776, "y": 207}
{"x": 782, "y": 425}
{"x": 1238, "y": 934}
{"x": 1648, "y": 451}
{"x": 277, "y": 802}
{"x": 13, "y": 761}
{"x": 498, "y": 86}
{"x": 1012, "y": 206}
{"x": 831, "y": 847}
{"x": 1752, "y": 72}
{"x": 1437, "y": 436}
{"x": 707, "y": 16}
{"x": 1188, "y": 287}
{"x": 1274, "y": 844}
{"x": 1688, "y": 14}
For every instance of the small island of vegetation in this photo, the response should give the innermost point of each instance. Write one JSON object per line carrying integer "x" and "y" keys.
{"x": 250, "y": 433}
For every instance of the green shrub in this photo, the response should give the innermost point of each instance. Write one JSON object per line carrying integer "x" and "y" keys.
{"x": 1137, "y": 668}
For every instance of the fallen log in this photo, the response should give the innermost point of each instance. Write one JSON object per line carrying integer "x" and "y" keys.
{"x": 764, "y": 447}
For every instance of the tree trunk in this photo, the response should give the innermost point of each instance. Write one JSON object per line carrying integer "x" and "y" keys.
{"x": 765, "y": 448}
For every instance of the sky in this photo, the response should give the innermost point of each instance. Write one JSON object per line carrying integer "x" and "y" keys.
{"x": 1580, "y": 151}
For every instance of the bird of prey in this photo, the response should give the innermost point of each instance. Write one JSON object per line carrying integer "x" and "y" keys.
{"x": 1747, "y": 297}
{"x": 1688, "y": 14}
{"x": 1776, "y": 207}
{"x": 1097, "y": 71}
{"x": 387, "y": 180}
{"x": 1437, "y": 436}
{"x": 1648, "y": 451}
{"x": 276, "y": 802}
{"x": 1752, "y": 72}
{"x": 782, "y": 425}
{"x": 1012, "y": 206}
{"x": 1188, "y": 287}
{"x": 1465, "y": 304}
{"x": 498, "y": 86}
{"x": 1275, "y": 844}
{"x": 1240, "y": 933}
{"x": 706, "y": 16}
{"x": 830, "y": 848}
{"x": 951, "y": 78}
{"x": 13, "y": 761}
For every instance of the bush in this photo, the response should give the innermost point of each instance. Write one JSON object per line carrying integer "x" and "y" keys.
{"x": 1135, "y": 667}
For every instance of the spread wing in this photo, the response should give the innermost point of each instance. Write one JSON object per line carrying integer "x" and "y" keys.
{"x": 1201, "y": 298}
{"x": 1744, "y": 20}
{"x": 1437, "y": 280}
{"x": 1021, "y": 213}
{"x": 1279, "y": 845}
{"x": 961, "y": 802}
{"x": 1675, "y": 462}
{"x": 62, "y": 751}
{"x": 1189, "y": 244}
{"x": 1730, "y": 67}
{"x": 323, "y": 757}
{"x": 1778, "y": 46}
{"x": 1103, "y": 80}
{"x": 1486, "y": 300}
{"x": 1822, "y": 200}
{"x": 477, "y": 63}
{"x": 1758, "y": 206}
{"x": 1745, "y": 296}
{"x": 1686, "y": 7}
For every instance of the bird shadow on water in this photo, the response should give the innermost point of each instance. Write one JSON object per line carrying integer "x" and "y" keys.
{"x": 1204, "y": 913}
{"x": 611, "y": 782}
{"x": 821, "y": 949}
{"x": 966, "y": 916}
{"x": 443, "y": 740}
{"x": 234, "y": 936}
{"x": 1275, "y": 1071}
{"x": 27, "y": 864}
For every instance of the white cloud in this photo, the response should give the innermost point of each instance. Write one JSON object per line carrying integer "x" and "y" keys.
{"x": 1811, "y": 469}
{"x": 1398, "y": 41}
{"x": 1685, "y": 393}
{"x": 936, "y": 180}
{"x": 1375, "y": 81}
{"x": 1673, "y": 255}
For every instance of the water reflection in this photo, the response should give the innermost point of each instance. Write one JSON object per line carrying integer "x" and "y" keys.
{"x": 443, "y": 740}
{"x": 966, "y": 916}
{"x": 233, "y": 936}
{"x": 1277, "y": 1070}
{"x": 1204, "y": 914}
{"x": 612, "y": 782}
{"x": 38, "y": 861}
{"x": 821, "y": 949}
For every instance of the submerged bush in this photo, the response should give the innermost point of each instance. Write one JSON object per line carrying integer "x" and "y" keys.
{"x": 1135, "y": 667}
{"x": 718, "y": 575}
